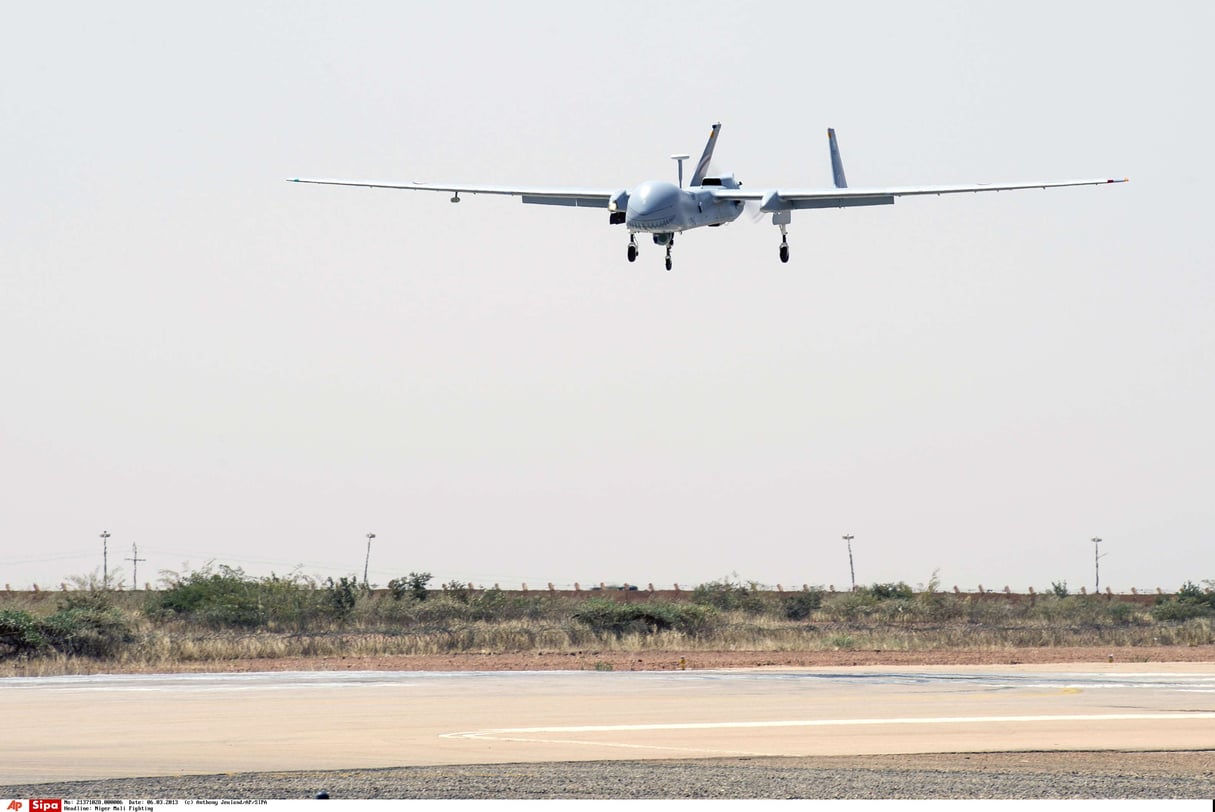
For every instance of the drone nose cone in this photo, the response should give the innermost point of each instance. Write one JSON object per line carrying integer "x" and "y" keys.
{"x": 652, "y": 206}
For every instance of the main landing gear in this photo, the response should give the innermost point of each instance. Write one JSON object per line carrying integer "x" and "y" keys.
{"x": 660, "y": 239}
{"x": 784, "y": 245}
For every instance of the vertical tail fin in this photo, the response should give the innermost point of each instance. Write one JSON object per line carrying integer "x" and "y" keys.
{"x": 837, "y": 166}
{"x": 702, "y": 167}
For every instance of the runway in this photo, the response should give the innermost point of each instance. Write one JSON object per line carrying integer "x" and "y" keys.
{"x": 78, "y": 728}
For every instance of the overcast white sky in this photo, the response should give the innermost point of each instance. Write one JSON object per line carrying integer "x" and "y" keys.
{"x": 214, "y": 364}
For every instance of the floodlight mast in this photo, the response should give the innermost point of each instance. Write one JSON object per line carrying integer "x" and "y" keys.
{"x": 851, "y": 569}
{"x": 367, "y": 560}
{"x": 1097, "y": 565}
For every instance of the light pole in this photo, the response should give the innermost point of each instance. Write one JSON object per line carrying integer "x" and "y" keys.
{"x": 367, "y": 560}
{"x": 1097, "y": 564}
{"x": 851, "y": 569}
{"x": 105, "y": 559}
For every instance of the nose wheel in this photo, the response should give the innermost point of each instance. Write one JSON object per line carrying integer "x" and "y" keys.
{"x": 784, "y": 244}
{"x": 669, "y": 246}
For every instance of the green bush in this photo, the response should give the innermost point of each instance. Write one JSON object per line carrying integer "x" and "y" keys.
{"x": 1121, "y": 613}
{"x": 1190, "y": 592}
{"x": 413, "y": 585}
{"x": 342, "y": 595}
{"x": 88, "y": 631}
{"x": 801, "y": 605}
{"x": 727, "y": 596}
{"x": 1170, "y": 611}
{"x": 21, "y": 633}
{"x": 1190, "y": 601}
{"x": 458, "y": 590}
{"x": 607, "y": 616}
{"x": 85, "y": 624}
{"x": 888, "y": 592}
{"x": 219, "y": 599}
{"x": 225, "y": 597}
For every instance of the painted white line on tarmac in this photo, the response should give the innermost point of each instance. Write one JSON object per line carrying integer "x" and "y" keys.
{"x": 506, "y": 734}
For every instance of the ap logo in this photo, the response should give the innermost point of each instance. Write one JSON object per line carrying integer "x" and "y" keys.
{"x": 14, "y": 806}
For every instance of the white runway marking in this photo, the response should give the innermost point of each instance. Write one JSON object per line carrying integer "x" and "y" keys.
{"x": 511, "y": 734}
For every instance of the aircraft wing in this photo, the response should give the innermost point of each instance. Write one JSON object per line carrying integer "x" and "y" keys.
{"x": 543, "y": 195}
{"x": 793, "y": 198}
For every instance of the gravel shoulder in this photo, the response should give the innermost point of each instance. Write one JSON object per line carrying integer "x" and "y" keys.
{"x": 1035, "y": 775}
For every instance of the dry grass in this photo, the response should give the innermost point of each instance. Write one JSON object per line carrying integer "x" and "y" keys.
{"x": 443, "y": 626}
{"x": 157, "y": 649}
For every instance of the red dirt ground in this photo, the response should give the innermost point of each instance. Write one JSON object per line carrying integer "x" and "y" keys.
{"x": 700, "y": 660}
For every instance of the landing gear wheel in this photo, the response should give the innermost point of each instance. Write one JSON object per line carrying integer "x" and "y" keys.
{"x": 784, "y": 252}
{"x": 632, "y": 252}
{"x": 669, "y": 245}
{"x": 668, "y": 263}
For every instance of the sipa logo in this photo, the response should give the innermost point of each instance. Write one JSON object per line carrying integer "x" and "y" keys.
{"x": 46, "y": 805}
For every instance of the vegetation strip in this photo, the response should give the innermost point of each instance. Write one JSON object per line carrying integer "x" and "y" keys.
{"x": 218, "y": 614}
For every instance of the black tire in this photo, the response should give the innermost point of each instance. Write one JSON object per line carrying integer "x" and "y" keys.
{"x": 668, "y": 263}
{"x": 632, "y": 253}
{"x": 784, "y": 253}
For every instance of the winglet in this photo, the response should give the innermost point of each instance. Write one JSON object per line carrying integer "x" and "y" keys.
{"x": 702, "y": 166}
{"x": 837, "y": 165}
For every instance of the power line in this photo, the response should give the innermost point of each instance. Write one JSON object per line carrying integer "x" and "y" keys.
{"x": 135, "y": 559}
{"x": 105, "y": 559}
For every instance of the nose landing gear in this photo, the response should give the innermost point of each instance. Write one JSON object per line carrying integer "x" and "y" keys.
{"x": 659, "y": 239}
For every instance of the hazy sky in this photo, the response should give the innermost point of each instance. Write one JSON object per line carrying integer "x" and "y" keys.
{"x": 214, "y": 364}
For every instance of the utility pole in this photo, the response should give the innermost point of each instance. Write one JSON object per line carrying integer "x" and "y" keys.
{"x": 1097, "y": 564}
{"x": 851, "y": 569}
{"x": 105, "y": 559}
{"x": 135, "y": 559}
{"x": 367, "y": 560}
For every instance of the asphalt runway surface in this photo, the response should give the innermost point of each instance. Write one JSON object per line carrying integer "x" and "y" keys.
{"x": 108, "y": 727}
